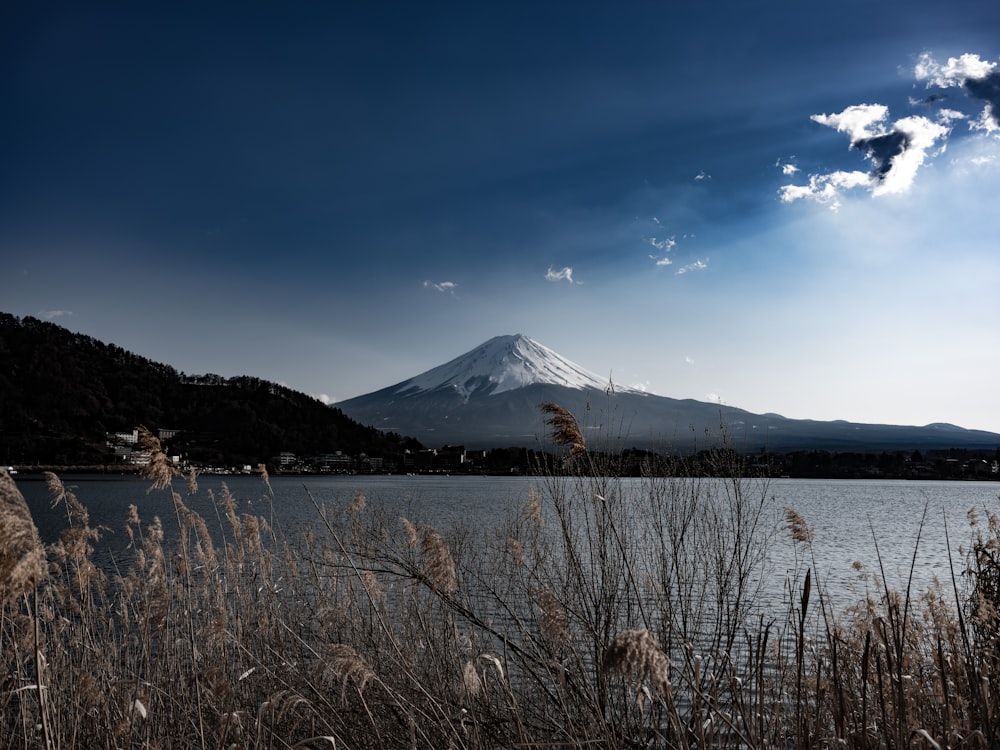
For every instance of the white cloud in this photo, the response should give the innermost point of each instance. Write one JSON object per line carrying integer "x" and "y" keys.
{"x": 979, "y": 78}
{"x": 986, "y": 122}
{"x": 326, "y": 399}
{"x": 702, "y": 176}
{"x": 896, "y": 154}
{"x": 560, "y": 275}
{"x": 786, "y": 167}
{"x": 689, "y": 359}
{"x": 826, "y": 188}
{"x": 52, "y": 314}
{"x": 897, "y": 150}
{"x": 856, "y": 120}
{"x": 955, "y": 72}
{"x": 946, "y": 116}
{"x": 665, "y": 245}
{"x": 441, "y": 286}
{"x": 921, "y": 134}
{"x": 698, "y": 265}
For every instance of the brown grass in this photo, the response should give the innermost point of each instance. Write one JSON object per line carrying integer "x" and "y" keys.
{"x": 564, "y": 428}
{"x": 22, "y": 557}
{"x": 439, "y": 566}
{"x": 636, "y": 654}
{"x": 612, "y": 626}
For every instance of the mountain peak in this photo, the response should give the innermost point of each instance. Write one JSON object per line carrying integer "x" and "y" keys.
{"x": 505, "y": 363}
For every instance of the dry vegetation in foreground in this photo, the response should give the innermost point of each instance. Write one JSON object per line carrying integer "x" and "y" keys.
{"x": 600, "y": 614}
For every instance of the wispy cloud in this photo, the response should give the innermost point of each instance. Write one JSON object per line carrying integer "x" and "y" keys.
{"x": 664, "y": 246}
{"x": 825, "y": 188}
{"x": 563, "y": 274}
{"x": 787, "y": 168}
{"x": 698, "y": 265}
{"x": 441, "y": 286}
{"x": 702, "y": 175}
{"x": 689, "y": 360}
{"x": 53, "y": 314}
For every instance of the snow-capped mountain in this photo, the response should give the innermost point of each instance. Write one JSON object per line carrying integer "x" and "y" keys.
{"x": 505, "y": 363}
{"x": 490, "y": 398}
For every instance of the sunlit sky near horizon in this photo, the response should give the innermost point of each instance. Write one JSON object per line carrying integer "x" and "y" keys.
{"x": 786, "y": 207}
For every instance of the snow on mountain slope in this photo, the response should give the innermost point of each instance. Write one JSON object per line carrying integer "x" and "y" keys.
{"x": 505, "y": 363}
{"x": 489, "y": 398}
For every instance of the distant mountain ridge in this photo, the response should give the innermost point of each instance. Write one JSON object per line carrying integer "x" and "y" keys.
{"x": 489, "y": 397}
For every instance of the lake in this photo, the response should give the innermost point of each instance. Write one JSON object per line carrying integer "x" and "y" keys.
{"x": 847, "y": 517}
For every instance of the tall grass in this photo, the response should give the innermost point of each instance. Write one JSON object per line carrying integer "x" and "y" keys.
{"x": 598, "y": 613}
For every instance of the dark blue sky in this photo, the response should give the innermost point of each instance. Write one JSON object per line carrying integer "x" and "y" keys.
{"x": 338, "y": 198}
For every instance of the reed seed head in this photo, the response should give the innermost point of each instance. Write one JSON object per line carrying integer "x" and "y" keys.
{"x": 554, "y": 624}
{"x": 357, "y": 503}
{"x": 533, "y": 508}
{"x": 439, "y": 566}
{"x": 22, "y": 556}
{"x": 159, "y": 469}
{"x": 797, "y": 527}
{"x": 373, "y": 587}
{"x": 565, "y": 430}
{"x": 471, "y": 680}
{"x": 517, "y": 551}
{"x": 76, "y": 512}
{"x": 636, "y": 654}
{"x": 411, "y": 533}
{"x": 343, "y": 662}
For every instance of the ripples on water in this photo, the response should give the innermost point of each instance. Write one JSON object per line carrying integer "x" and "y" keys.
{"x": 861, "y": 520}
{"x": 848, "y": 517}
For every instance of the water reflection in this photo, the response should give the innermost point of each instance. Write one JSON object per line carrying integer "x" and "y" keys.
{"x": 873, "y": 523}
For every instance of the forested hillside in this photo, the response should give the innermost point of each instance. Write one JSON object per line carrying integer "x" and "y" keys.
{"x": 62, "y": 392}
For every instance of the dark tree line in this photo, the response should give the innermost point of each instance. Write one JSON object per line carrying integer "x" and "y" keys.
{"x": 62, "y": 392}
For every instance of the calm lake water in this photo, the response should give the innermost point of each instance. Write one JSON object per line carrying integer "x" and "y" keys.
{"x": 848, "y": 517}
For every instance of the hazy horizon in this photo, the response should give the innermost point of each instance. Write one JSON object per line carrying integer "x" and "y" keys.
{"x": 784, "y": 208}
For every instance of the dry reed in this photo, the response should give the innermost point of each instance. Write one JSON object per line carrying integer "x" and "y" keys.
{"x": 159, "y": 469}
{"x": 22, "y": 556}
{"x": 554, "y": 622}
{"x": 439, "y": 566}
{"x": 239, "y": 636}
{"x": 797, "y": 527}
{"x": 565, "y": 431}
{"x": 342, "y": 664}
{"x": 635, "y": 654}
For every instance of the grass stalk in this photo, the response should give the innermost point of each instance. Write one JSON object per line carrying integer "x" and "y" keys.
{"x": 353, "y": 634}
